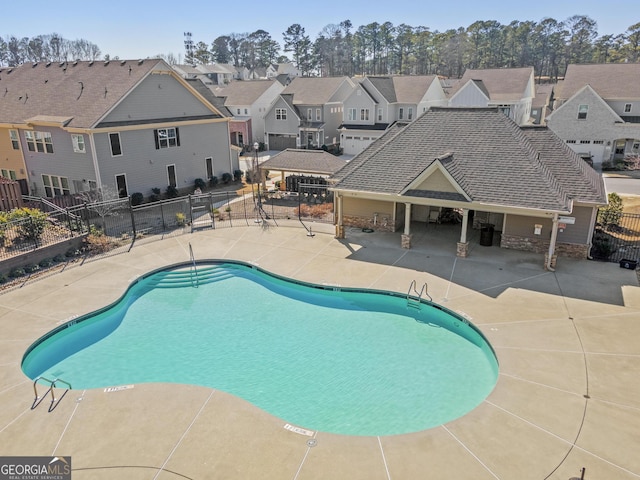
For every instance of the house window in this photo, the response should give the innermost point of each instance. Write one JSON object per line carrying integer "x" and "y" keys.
{"x": 585, "y": 141}
{"x": 582, "y": 112}
{"x": 410, "y": 113}
{"x": 627, "y": 108}
{"x": 352, "y": 114}
{"x": 571, "y": 141}
{"x": 167, "y": 137}
{"x": 9, "y": 174}
{"x": 379, "y": 114}
{"x": 15, "y": 142}
{"x": 171, "y": 175}
{"x": 246, "y": 111}
{"x": 237, "y": 111}
{"x": 318, "y": 115}
{"x": 281, "y": 113}
{"x": 116, "y": 148}
{"x": 39, "y": 142}
{"x": 78, "y": 143}
{"x": 506, "y": 109}
{"x": 121, "y": 185}
{"x": 309, "y": 114}
{"x": 55, "y": 185}
{"x": 364, "y": 114}
{"x": 598, "y": 142}
{"x": 400, "y": 113}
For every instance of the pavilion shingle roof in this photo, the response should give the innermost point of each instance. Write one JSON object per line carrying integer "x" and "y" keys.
{"x": 609, "y": 80}
{"x": 489, "y": 156}
{"x": 78, "y": 94}
{"x": 316, "y": 162}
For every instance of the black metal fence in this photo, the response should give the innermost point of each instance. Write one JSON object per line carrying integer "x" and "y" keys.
{"x": 123, "y": 223}
{"x": 616, "y": 237}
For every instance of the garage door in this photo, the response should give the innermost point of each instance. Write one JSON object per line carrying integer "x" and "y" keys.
{"x": 353, "y": 144}
{"x": 281, "y": 142}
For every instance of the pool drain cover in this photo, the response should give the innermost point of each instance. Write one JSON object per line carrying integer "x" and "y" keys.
{"x": 312, "y": 443}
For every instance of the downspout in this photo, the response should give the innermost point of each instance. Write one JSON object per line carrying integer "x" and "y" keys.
{"x": 94, "y": 158}
{"x": 552, "y": 243}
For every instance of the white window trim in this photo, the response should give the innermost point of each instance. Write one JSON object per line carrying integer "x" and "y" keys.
{"x": 126, "y": 182}
{"x": 76, "y": 143}
{"x": 15, "y": 133}
{"x": 119, "y": 143}
{"x": 175, "y": 170}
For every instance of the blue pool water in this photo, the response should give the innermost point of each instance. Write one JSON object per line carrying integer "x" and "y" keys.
{"x": 347, "y": 361}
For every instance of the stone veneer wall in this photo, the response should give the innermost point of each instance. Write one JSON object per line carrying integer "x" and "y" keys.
{"x": 366, "y": 222}
{"x": 537, "y": 245}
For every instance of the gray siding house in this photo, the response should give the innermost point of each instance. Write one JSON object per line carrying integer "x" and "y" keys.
{"x": 377, "y": 102}
{"x": 127, "y": 125}
{"x": 308, "y": 113}
{"x": 597, "y": 111}
{"x": 512, "y": 90}
{"x": 543, "y": 199}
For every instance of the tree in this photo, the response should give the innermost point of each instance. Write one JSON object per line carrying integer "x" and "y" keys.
{"x": 582, "y": 32}
{"x": 220, "y": 49}
{"x": 298, "y": 43}
{"x": 201, "y": 54}
{"x": 632, "y": 47}
{"x": 609, "y": 216}
{"x": 103, "y": 201}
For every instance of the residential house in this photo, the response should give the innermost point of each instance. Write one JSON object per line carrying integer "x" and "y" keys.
{"x": 308, "y": 113}
{"x": 542, "y": 103}
{"x": 248, "y": 102}
{"x": 276, "y": 69}
{"x": 213, "y": 74}
{"x": 126, "y": 125}
{"x": 12, "y": 165}
{"x": 512, "y": 90}
{"x": 377, "y": 102}
{"x": 523, "y": 180}
{"x": 597, "y": 111}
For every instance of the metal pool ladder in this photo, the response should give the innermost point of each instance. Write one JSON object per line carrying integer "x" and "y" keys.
{"x": 194, "y": 269}
{"x": 52, "y": 386}
{"x": 415, "y": 300}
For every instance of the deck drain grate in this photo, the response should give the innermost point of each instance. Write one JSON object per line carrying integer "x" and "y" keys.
{"x": 312, "y": 443}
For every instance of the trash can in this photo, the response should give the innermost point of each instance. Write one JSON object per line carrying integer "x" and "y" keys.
{"x": 486, "y": 234}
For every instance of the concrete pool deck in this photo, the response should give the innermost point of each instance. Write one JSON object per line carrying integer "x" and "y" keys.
{"x": 567, "y": 396}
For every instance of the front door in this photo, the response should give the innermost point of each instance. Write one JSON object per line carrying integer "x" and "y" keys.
{"x": 121, "y": 185}
{"x": 208, "y": 163}
{"x": 171, "y": 175}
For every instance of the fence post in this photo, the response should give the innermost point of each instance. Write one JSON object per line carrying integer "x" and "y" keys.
{"x": 133, "y": 219}
{"x": 229, "y": 212}
{"x": 86, "y": 216}
{"x": 69, "y": 222}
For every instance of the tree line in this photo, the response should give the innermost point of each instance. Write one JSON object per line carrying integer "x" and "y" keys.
{"x": 45, "y": 48}
{"x": 381, "y": 48}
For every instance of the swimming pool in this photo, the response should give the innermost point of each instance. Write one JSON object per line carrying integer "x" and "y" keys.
{"x": 341, "y": 360}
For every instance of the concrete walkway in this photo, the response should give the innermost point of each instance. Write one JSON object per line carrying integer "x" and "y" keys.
{"x": 567, "y": 396}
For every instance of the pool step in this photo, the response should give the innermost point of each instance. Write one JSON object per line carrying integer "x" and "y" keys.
{"x": 187, "y": 277}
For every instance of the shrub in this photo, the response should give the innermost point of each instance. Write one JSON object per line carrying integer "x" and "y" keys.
{"x": 46, "y": 262}
{"x": 31, "y": 267}
{"x": 98, "y": 243}
{"x": 237, "y": 175}
{"x": 33, "y": 222}
{"x": 17, "y": 272}
{"x": 199, "y": 183}
{"x": 137, "y": 198}
{"x": 226, "y": 177}
{"x": 155, "y": 194}
{"x": 609, "y": 216}
{"x": 60, "y": 258}
{"x": 315, "y": 211}
{"x": 72, "y": 252}
{"x": 3, "y": 278}
{"x": 213, "y": 181}
{"x": 171, "y": 191}
{"x": 181, "y": 218}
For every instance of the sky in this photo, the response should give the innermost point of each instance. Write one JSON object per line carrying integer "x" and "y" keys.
{"x": 141, "y": 29}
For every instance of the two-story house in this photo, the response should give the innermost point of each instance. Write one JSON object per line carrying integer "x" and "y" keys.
{"x": 127, "y": 125}
{"x": 597, "y": 111}
{"x": 248, "y": 102}
{"x": 377, "y": 102}
{"x": 11, "y": 157}
{"x": 512, "y": 90}
{"x": 308, "y": 113}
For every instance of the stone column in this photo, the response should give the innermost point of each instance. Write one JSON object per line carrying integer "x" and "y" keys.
{"x": 463, "y": 249}
{"x": 406, "y": 240}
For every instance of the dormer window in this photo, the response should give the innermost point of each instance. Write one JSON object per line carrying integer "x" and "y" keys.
{"x": 582, "y": 112}
{"x": 627, "y": 108}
